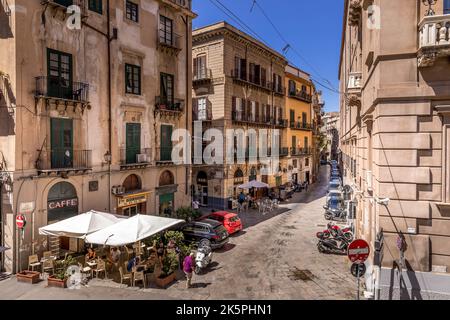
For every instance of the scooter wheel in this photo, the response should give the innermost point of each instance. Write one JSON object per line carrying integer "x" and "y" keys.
{"x": 320, "y": 248}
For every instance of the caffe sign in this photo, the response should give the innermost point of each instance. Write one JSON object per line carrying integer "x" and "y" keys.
{"x": 67, "y": 203}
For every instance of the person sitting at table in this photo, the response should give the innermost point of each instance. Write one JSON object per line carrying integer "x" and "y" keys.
{"x": 132, "y": 263}
{"x": 90, "y": 255}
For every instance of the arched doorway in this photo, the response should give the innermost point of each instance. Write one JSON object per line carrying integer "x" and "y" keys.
{"x": 134, "y": 201}
{"x": 202, "y": 187}
{"x": 166, "y": 191}
{"x": 62, "y": 203}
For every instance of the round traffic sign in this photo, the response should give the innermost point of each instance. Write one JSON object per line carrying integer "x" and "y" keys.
{"x": 358, "y": 251}
{"x": 358, "y": 269}
{"x": 20, "y": 221}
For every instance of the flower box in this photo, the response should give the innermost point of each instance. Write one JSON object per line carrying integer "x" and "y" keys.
{"x": 57, "y": 283}
{"x": 31, "y": 277}
{"x": 164, "y": 282}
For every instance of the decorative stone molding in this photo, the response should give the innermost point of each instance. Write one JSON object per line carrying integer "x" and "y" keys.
{"x": 354, "y": 12}
{"x": 434, "y": 39}
{"x": 354, "y": 100}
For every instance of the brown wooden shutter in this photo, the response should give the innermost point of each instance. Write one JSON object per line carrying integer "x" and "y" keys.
{"x": 257, "y": 112}
{"x": 196, "y": 75}
{"x": 233, "y": 108}
{"x": 263, "y": 77}
{"x": 268, "y": 113}
{"x": 195, "y": 108}
{"x": 249, "y": 109}
{"x": 244, "y": 107}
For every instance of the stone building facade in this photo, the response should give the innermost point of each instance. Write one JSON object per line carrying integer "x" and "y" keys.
{"x": 394, "y": 119}
{"x": 89, "y": 103}
{"x": 238, "y": 84}
{"x": 331, "y": 131}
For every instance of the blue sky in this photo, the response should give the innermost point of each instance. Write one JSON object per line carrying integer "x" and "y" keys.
{"x": 312, "y": 27}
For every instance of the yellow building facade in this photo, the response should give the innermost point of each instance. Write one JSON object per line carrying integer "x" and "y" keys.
{"x": 298, "y": 112}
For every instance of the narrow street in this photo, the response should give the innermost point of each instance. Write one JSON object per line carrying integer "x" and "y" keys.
{"x": 275, "y": 257}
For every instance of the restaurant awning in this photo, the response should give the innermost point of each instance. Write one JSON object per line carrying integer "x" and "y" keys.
{"x": 80, "y": 225}
{"x": 131, "y": 230}
{"x": 254, "y": 184}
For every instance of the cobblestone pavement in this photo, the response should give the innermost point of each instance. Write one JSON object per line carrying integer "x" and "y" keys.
{"x": 275, "y": 257}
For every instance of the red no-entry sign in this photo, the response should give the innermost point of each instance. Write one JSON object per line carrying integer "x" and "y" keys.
{"x": 20, "y": 221}
{"x": 358, "y": 251}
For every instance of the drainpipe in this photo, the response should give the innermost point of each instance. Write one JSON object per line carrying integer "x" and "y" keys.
{"x": 108, "y": 34}
{"x": 188, "y": 87}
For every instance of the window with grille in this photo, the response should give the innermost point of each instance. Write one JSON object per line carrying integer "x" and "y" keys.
{"x": 132, "y": 79}
{"x": 132, "y": 11}
{"x": 166, "y": 30}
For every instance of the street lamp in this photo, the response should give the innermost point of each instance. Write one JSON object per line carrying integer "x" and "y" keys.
{"x": 429, "y": 3}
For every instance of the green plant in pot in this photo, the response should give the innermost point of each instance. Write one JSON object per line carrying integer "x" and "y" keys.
{"x": 187, "y": 213}
{"x": 62, "y": 266}
{"x": 178, "y": 238}
{"x": 170, "y": 264}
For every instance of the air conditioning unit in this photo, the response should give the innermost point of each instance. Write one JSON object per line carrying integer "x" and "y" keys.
{"x": 142, "y": 158}
{"x": 369, "y": 180}
{"x": 117, "y": 190}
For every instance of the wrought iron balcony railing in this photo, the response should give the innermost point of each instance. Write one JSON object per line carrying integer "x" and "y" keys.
{"x": 135, "y": 156}
{"x": 241, "y": 76}
{"x": 300, "y": 151}
{"x": 63, "y": 160}
{"x": 201, "y": 76}
{"x": 300, "y": 125}
{"x": 60, "y": 88}
{"x": 172, "y": 42}
{"x": 167, "y": 104}
{"x": 300, "y": 95}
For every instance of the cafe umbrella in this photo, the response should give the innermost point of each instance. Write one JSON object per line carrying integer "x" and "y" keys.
{"x": 80, "y": 225}
{"x": 131, "y": 230}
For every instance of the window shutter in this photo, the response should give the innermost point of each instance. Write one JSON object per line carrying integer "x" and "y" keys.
{"x": 267, "y": 113}
{"x": 263, "y": 76}
{"x": 196, "y": 69}
{"x": 195, "y": 108}
{"x": 257, "y": 111}
{"x": 249, "y": 109}
{"x": 233, "y": 106}
{"x": 243, "y": 69}
{"x": 243, "y": 108}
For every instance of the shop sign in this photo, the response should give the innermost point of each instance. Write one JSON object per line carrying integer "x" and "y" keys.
{"x": 67, "y": 203}
{"x": 131, "y": 201}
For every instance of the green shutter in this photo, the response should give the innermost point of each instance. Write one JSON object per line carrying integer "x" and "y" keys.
{"x": 292, "y": 116}
{"x": 61, "y": 139}
{"x": 59, "y": 74}
{"x": 166, "y": 143}
{"x": 133, "y": 137}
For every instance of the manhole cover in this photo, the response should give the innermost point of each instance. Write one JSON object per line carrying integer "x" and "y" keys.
{"x": 304, "y": 275}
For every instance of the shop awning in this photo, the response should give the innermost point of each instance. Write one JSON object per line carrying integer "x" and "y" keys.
{"x": 80, "y": 225}
{"x": 254, "y": 184}
{"x": 131, "y": 230}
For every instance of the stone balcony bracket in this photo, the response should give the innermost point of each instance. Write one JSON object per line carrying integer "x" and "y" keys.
{"x": 355, "y": 12}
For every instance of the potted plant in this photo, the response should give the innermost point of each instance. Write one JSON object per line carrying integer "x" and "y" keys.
{"x": 187, "y": 213}
{"x": 27, "y": 276}
{"x": 170, "y": 265}
{"x": 59, "y": 278}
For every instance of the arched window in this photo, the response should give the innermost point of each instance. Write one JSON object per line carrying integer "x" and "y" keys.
{"x": 238, "y": 177}
{"x": 166, "y": 179}
{"x": 132, "y": 183}
{"x": 62, "y": 202}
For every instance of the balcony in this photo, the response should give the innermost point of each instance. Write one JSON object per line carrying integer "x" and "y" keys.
{"x": 59, "y": 90}
{"x": 284, "y": 152}
{"x": 278, "y": 89}
{"x": 434, "y": 39}
{"x": 300, "y": 95}
{"x": 300, "y": 151}
{"x": 183, "y": 4}
{"x": 168, "y": 107}
{"x": 355, "y": 81}
{"x": 171, "y": 45}
{"x": 298, "y": 125}
{"x": 164, "y": 156}
{"x": 203, "y": 77}
{"x": 135, "y": 159}
{"x": 258, "y": 84}
{"x": 281, "y": 123}
{"x": 202, "y": 115}
{"x": 63, "y": 161}
{"x": 62, "y": 5}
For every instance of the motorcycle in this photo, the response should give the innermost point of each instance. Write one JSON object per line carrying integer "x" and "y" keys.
{"x": 335, "y": 215}
{"x": 338, "y": 245}
{"x": 334, "y": 231}
{"x": 203, "y": 258}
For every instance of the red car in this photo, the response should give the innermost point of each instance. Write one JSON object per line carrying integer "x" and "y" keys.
{"x": 229, "y": 220}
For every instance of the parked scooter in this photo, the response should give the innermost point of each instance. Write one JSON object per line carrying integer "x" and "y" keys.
{"x": 203, "y": 257}
{"x": 335, "y": 231}
{"x": 336, "y": 245}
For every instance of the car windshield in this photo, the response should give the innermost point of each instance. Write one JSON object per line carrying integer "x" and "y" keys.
{"x": 233, "y": 219}
{"x": 220, "y": 228}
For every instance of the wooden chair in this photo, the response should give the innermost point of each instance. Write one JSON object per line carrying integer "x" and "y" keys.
{"x": 139, "y": 276}
{"x": 33, "y": 262}
{"x": 125, "y": 276}
{"x": 47, "y": 254}
{"x": 48, "y": 265}
{"x": 101, "y": 267}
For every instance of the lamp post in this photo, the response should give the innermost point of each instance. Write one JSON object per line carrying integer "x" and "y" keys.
{"x": 429, "y": 3}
